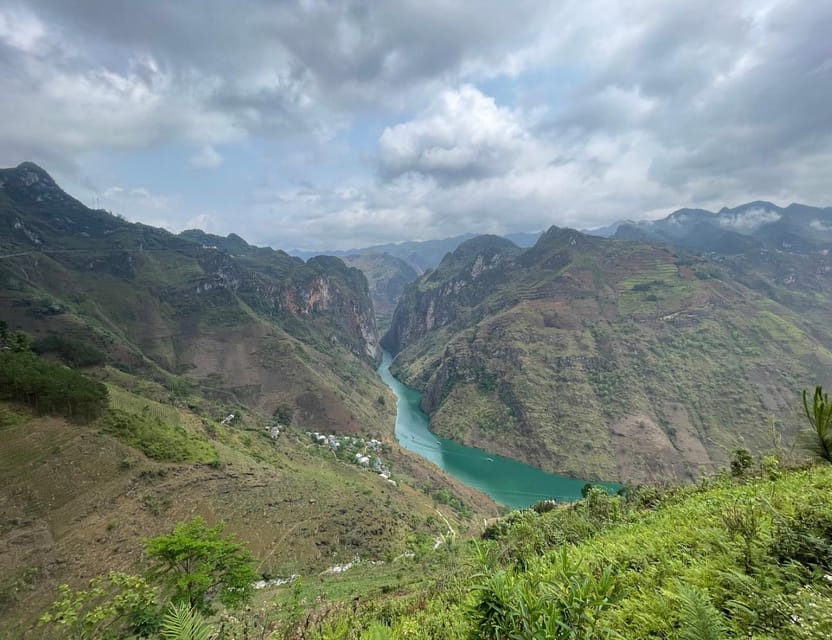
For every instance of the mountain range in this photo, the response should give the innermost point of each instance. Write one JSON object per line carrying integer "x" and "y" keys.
{"x": 218, "y": 359}
{"x": 796, "y": 228}
{"x": 643, "y": 351}
{"x": 612, "y": 358}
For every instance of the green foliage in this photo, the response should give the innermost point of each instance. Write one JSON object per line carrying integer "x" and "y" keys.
{"x": 741, "y": 462}
{"x": 698, "y": 618}
{"x": 804, "y": 537}
{"x": 20, "y": 342}
{"x": 561, "y": 601}
{"x": 284, "y": 413}
{"x": 646, "y": 286}
{"x": 50, "y": 387}
{"x": 522, "y": 535}
{"x": 73, "y": 352}
{"x": 770, "y": 467}
{"x": 443, "y": 496}
{"x": 181, "y": 622}
{"x": 808, "y": 612}
{"x": 377, "y": 631}
{"x": 744, "y": 521}
{"x": 196, "y": 564}
{"x": 722, "y": 559}
{"x": 112, "y": 607}
{"x": 819, "y": 414}
{"x": 156, "y": 438}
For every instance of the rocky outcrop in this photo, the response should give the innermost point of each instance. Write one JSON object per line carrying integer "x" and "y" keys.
{"x": 463, "y": 280}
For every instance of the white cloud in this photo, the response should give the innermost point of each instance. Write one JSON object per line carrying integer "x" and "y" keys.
{"x": 206, "y": 158}
{"x": 463, "y": 135}
{"x": 748, "y": 220}
{"x": 509, "y": 117}
{"x": 204, "y": 221}
{"x": 139, "y": 204}
{"x": 21, "y": 30}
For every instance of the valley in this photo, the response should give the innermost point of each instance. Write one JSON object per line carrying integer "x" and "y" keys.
{"x": 215, "y": 359}
{"x": 508, "y": 482}
{"x": 415, "y": 320}
{"x": 356, "y": 422}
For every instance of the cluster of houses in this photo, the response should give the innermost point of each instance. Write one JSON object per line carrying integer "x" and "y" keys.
{"x": 360, "y": 451}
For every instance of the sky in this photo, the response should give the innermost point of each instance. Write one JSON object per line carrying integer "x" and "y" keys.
{"x": 320, "y": 125}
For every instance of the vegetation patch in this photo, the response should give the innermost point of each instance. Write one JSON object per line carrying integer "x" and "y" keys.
{"x": 49, "y": 387}
{"x": 156, "y": 439}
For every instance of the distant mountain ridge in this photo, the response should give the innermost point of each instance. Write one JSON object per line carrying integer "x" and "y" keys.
{"x": 421, "y": 255}
{"x": 387, "y": 277}
{"x": 796, "y": 228}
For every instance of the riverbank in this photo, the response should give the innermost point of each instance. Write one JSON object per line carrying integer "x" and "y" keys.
{"x": 509, "y": 482}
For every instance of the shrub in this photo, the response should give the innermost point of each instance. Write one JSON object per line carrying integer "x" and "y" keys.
{"x": 50, "y": 387}
{"x": 156, "y": 439}
{"x": 117, "y": 605}
{"x": 819, "y": 414}
{"x": 741, "y": 461}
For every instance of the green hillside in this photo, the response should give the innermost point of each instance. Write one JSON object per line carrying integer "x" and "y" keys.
{"x": 80, "y": 493}
{"x": 604, "y": 358}
{"x": 726, "y": 559}
{"x": 250, "y": 326}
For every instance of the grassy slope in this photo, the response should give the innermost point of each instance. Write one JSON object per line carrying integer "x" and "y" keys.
{"x": 650, "y": 551}
{"x": 77, "y": 501}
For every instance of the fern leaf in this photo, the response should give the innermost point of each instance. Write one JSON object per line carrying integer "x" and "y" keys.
{"x": 183, "y": 623}
{"x": 699, "y": 619}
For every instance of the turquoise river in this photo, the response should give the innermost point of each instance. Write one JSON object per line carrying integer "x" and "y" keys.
{"x": 508, "y": 482}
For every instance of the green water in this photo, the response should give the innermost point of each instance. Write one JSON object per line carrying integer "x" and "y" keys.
{"x": 508, "y": 482}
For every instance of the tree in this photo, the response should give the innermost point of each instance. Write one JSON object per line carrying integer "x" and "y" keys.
{"x": 20, "y": 342}
{"x": 197, "y": 563}
{"x": 50, "y": 387}
{"x": 283, "y": 414}
{"x": 741, "y": 461}
{"x": 819, "y": 414}
{"x": 4, "y": 334}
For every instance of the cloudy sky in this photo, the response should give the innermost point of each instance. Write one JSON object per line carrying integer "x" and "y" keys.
{"x": 315, "y": 124}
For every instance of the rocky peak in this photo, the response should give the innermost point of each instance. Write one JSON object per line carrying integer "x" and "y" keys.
{"x": 32, "y": 173}
{"x": 29, "y": 182}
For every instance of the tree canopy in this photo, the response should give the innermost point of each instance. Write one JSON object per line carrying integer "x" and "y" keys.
{"x": 198, "y": 563}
